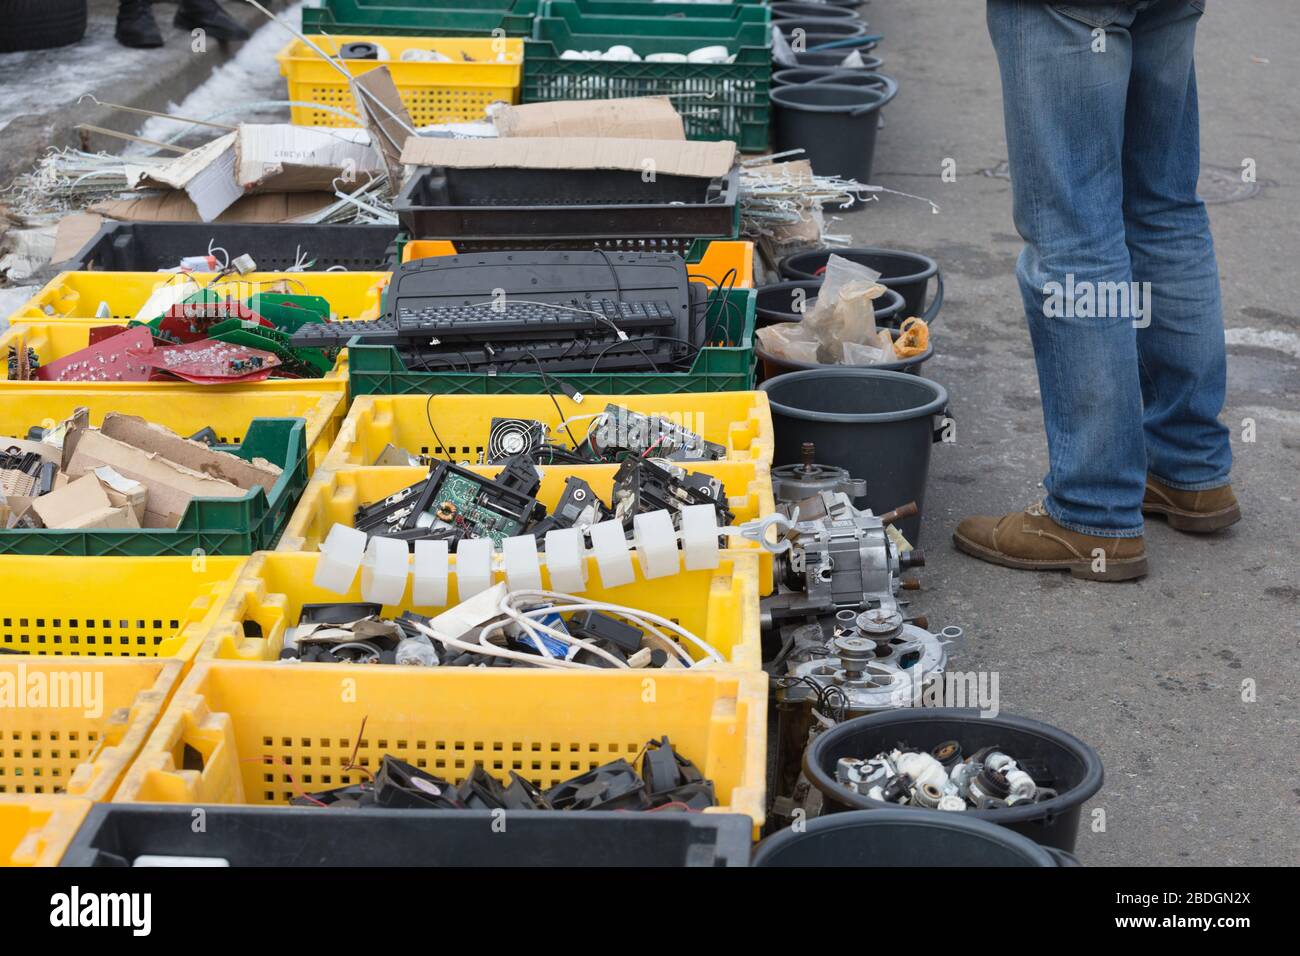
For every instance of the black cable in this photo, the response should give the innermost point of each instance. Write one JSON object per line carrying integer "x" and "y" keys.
{"x": 652, "y": 338}
{"x": 554, "y": 401}
{"x": 438, "y": 438}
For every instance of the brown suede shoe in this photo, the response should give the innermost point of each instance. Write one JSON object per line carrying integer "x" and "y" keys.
{"x": 1031, "y": 541}
{"x": 1199, "y": 512}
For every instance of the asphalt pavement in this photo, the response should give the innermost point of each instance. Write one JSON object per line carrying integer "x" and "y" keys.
{"x": 1157, "y": 675}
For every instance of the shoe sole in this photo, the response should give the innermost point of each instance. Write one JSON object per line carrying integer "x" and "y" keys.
{"x": 1117, "y": 569}
{"x": 1195, "y": 522}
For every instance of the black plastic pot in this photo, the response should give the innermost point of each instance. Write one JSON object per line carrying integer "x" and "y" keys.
{"x": 1053, "y": 823}
{"x": 878, "y": 424}
{"x": 827, "y": 29}
{"x": 780, "y": 302}
{"x": 797, "y": 75}
{"x": 835, "y": 58}
{"x": 817, "y": 11}
{"x": 896, "y": 838}
{"x": 908, "y": 273}
{"x": 835, "y": 125}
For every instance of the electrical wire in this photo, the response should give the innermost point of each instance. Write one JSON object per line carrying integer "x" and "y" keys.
{"x": 436, "y": 437}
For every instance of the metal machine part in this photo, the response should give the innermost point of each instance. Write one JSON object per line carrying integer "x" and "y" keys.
{"x": 793, "y": 483}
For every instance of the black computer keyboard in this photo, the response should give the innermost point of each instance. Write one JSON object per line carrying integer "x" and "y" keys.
{"x": 522, "y": 319}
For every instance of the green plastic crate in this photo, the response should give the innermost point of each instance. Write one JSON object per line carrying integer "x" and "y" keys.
{"x": 379, "y": 370}
{"x": 717, "y": 100}
{"x": 601, "y": 31}
{"x": 344, "y": 17}
{"x": 749, "y": 12}
{"x": 213, "y": 526}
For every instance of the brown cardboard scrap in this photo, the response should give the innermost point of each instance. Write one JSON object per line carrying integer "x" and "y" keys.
{"x": 646, "y": 117}
{"x": 65, "y": 507}
{"x": 193, "y": 455}
{"x": 687, "y": 158}
{"x": 170, "y": 486}
{"x": 386, "y": 117}
{"x": 73, "y": 233}
{"x": 176, "y": 206}
{"x": 124, "y": 492}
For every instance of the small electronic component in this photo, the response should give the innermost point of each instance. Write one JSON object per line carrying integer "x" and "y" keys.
{"x": 455, "y": 503}
{"x": 578, "y": 507}
{"x": 620, "y": 432}
{"x": 642, "y": 485}
{"x": 508, "y": 437}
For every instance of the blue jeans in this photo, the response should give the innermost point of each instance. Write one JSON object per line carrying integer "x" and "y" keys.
{"x": 1118, "y": 274}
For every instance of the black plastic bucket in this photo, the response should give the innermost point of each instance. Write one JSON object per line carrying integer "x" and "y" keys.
{"x": 878, "y": 424}
{"x": 780, "y": 302}
{"x": 1053, "y": 823}
{"x": 835, "y": 126}
{"x": 797, "y": 75}
{"x": 818, "y": 11}
{"x": 824, "y": 29}
{"x": 908, "y": 273}
{"x": 894, "y": 838}
{"x": 835, "y": 58}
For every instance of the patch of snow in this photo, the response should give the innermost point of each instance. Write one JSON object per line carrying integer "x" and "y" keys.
{"x": 1276, "y": 339}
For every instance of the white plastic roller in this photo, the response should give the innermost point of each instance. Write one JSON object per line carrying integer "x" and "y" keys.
{"x": 523, "y": 567}
{"x": 656, "y": 543}
{"x": 340, "y": 559}
{"x": 609, "y": 545}
{"x": 473, "y": 566}
{"x": 700, "y": 532}
{"x": 431, "y": 570}
{"x": 384, "y": 571}
{"x": 566, "y": 560}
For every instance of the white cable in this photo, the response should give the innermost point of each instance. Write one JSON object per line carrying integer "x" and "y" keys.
{"x": 564, "y": 603}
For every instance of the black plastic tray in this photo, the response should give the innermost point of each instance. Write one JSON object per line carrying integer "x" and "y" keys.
{"x": 561, "y": 204}
{"x": 113, "y": 835}
{"x": 150, "y": 246}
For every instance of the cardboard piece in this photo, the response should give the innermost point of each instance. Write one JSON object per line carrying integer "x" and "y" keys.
{"x": 262, "y": 158}
{"x": 81, "y": 504}
{"x": 176, "y": 206}
{"x": 170, "y": 486}
{"x": 647, "y": 117}
{"x": 387, "y": 119}
{"x": 193, "y": 455}
{"x": 124, "y": 492}
{"x": 687, "y": 158}
{"x": 73, "y": 233}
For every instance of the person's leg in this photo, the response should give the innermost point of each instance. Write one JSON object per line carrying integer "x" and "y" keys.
{"x": 1065, "y": 78}
{"x": 1182, "y": 355}
{"x": 135, "y": 25}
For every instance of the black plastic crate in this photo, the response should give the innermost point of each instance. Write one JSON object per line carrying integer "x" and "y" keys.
{"x": 113, "y": 835}
{"x": 275, "y": 247}
{"x": 558, "y": 204}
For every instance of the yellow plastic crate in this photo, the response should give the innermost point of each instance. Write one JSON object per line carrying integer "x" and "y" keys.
{"x": 332, "y": 497}
{"x": 36, "y": 830}
{"x": 56, "y": 339}
{"x": 719, "y": 258}
{"x": 739, "y": 421}
{"x": 485, "y": 70}
{"x": 79, "y": 295}
{"x": 62, "y": 606}
{"x": 266, "y": 732}
{"x": 184, "y": 412}
{"x": 720, "y": 606}
{"x": 72, "y": 726}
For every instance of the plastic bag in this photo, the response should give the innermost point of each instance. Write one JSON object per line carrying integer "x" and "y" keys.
{"x": 788, "y": 340}
{"x": 845, "y": 308}
{"x": 913, "y": 338}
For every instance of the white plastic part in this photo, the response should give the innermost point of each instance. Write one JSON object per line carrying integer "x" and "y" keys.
{"x": 340, "y": 559}
{"x": 384, "y": 571}
{"x": 473, "y": 566}
{"x": 700, "y": 537}
{"x": 566, "y": 560}
{"x": 1022, "y": 785}
{"x": 656, "y": 543}
{"x": 951, "y": 802}
{"x": 609, "y": 545}
{"x": 429, "y": 577}
{"x": 523, "y": 567}
{"x": 922, "y": 768}
{"x": 159, "y": 859}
